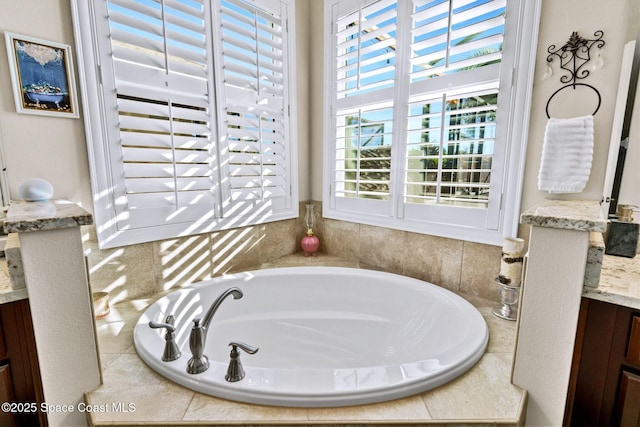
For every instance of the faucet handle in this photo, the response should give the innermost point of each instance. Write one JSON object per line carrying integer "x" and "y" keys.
{"x": 246, "y": 347}
{"x": 235, "y": 371}
{"x": 171, "y": 350}
{"x": 168, "y": 324}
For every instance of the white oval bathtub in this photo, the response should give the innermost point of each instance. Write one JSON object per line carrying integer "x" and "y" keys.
{"x": 327, "y": 336}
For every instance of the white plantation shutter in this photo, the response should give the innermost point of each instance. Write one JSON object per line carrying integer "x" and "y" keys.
{"x": 255, "y": 122}
{"x": 365, "y": 48}
{"x": 187, "y": 122}
{"x": 455, "y": 35}
{"x": 363, "y": 153}
{"x": 422, "y": 105}
{"x": 456, "y": 54}
{"x": 451, "y": 163}
{"x": 158, "y": 85}
{"x": 365, "y": 57}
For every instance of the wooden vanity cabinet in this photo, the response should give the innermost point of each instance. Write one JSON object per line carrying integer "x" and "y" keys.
{"x": 19, "y": 370}
{"x": 604, "y": 388}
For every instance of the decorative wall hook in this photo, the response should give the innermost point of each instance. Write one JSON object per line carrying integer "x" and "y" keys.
{"x": 574, "y": 56}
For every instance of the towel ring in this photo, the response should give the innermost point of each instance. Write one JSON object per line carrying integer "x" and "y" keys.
{"x": 573, "y": 85}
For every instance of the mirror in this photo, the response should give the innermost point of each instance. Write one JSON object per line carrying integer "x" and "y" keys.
{"x": 624, "y": 145}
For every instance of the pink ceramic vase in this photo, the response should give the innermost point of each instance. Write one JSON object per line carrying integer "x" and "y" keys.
{"x": 310, "y": 244}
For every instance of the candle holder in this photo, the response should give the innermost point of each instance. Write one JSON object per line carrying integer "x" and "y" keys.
{"x": 510, "y": 277}
{"x": 310, "y": 243}
{"x": 509, "y": 296}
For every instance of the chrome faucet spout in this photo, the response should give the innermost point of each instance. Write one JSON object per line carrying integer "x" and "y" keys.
{"x": 237, "y": 294}
{"x": 199, "y": 362}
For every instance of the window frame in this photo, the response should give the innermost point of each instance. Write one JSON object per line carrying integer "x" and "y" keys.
{"x": 450, "y": 222}
{"x": 111, "y": 227}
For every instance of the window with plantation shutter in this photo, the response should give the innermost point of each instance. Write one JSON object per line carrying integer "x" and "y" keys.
{"x": 185, "y": 115}
{"x": 255, "y": 120}
{"x": 159, "y": 88}
{"x": 425, "y": 137}
{"x": 364, "y": 73}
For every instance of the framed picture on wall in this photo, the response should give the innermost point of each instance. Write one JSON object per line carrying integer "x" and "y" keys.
{"x": 42, "y": 76}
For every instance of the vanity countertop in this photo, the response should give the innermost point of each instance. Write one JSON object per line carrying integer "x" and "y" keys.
{"x": 23, "y": 217}
{"x": 566, "y": 214}
{"x": 482, "y": 396}
{"x": 619, "y": 282}
{"x": 39, "y": 216}
{"x": 7, "y": 292}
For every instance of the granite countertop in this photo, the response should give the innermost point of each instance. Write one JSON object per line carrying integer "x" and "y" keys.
{"x": 482, "y": 396}
{"x": 22, "y": 217}
{"x": 7, "y": 293}
{"x": 567, "y": 214}
{"x": 25, "y": 216}
{"x": 619, "y": 282}
{"x": 619, "y": 277}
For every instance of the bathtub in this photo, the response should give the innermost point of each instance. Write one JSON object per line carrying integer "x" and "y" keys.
{"x": 327, "y": 336}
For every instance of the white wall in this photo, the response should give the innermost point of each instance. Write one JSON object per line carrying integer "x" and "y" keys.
{"x": 37, "y": 146}
{"x": 303, "y": 53}
{"x": 54, "y": 148}
{"x": 559, "y": 19}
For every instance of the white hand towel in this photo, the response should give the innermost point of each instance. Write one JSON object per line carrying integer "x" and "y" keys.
{"x": 567, "y": 154}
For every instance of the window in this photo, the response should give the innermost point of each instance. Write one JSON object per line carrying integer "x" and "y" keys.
{"x": 188, "y": 115}
{"x": 425, "y": 113}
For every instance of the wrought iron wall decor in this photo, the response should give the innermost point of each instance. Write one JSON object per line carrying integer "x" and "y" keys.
{"x": 574, "y": 56}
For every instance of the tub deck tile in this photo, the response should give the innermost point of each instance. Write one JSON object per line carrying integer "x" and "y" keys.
{"x": 213, "y": 410}
{"x": 133, "y": 393}
{"x": 487, "y": 397}
{"x": 482, "y": 396}
{"x": 410, "y": 409}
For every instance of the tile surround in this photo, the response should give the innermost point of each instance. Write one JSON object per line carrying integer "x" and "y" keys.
{"x": 453, "y": 264}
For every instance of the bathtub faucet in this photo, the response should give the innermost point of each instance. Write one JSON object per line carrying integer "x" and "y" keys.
{"x": 199, "y": 362}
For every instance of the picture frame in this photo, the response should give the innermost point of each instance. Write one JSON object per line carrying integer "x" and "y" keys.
{"x": 42, "y": 76}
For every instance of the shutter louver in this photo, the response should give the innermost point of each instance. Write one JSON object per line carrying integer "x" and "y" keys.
{"x": 365, "y": 49}
{"x": 455, "y": 35}
{"x": 255, "y": 124}
{"x": 161, "y": 64}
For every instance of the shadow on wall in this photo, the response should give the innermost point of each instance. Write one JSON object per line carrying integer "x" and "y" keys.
{"x": 135, "y": 271}
{"x": 138, "y": 270}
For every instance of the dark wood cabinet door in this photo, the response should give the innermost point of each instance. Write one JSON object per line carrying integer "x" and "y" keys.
{"x": 633, "y": 352}
{"x": 6, "y": 395}
{"x": 604, "y": 388}
{"x": 628, "y": 408}
{"x": 16, "y": 330}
